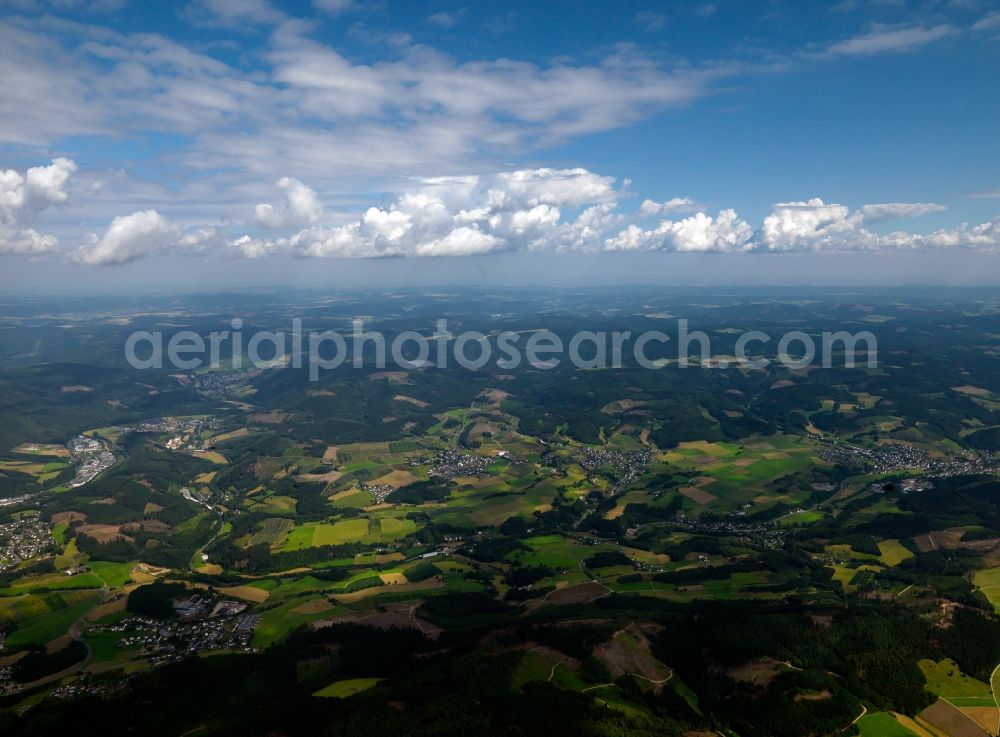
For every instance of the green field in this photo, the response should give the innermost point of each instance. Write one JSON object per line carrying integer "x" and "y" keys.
{"x": 349, "y": 687}
{"x": 374, "y": 530}
{"x": 882, "y": 724}
{"x": 805, "y": 517}
{"x": 274, "y": 503}
{"x": 272, "y": 532}
{"x": 535, "y": 666}
{"x": 59, "y": 533}
{"x": 893, "y": 553}
{"x": 988, "y": 581}
{"x": 738, "y": 473}
{"x": 321, "y": 533}
{"x": 946, "y": 680}
{"x": 53, "y": 581}
{"x": 41, "y": 619}
{"x": 556, "y": 552}
{"x": 113, "y": 575}
{"x": 278, "y": 621}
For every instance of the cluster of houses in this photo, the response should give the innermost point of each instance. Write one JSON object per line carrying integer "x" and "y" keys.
{"x": 22, "y": 538}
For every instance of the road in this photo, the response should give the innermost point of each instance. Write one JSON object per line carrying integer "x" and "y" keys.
{"x": 864, "y": 710}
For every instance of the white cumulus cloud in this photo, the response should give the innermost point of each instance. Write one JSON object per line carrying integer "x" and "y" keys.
{"x": 699, "y": 232}
{"x": 141, "y": 234}
{"x": 816, "y": 225}
{"x": 465, "y": 215}
{"x": 23, "y": 197}
{"x": 299, "y": 207}
{"x": 674, "y": 204}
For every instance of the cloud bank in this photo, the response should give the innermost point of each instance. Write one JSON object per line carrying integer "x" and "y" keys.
{"x": 567, "y": 210}
{"x": 545, "y": 209}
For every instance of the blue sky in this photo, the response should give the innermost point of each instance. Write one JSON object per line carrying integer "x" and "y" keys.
{"x": 147, "y": 137}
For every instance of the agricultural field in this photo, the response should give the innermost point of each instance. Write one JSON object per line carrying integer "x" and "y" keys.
{"x": 729, "y": 475}
{"x": 892, "y": 552}
{"x": 349, "y": 687}
{"x": 947, "y": 681}
{"x": 40, "y": 471}
{"x": 41, "y": 618}
{"x": 42, "y": 449}
{"x": 273, "y": 532}
{"x": 883, "y": 724}
{"x": 278, "y": 621}
{"x": 369, "y": 530}
{"x": 988, "y": 581}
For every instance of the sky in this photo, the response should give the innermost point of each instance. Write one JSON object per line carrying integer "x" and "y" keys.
{"x": 232, "y": 142}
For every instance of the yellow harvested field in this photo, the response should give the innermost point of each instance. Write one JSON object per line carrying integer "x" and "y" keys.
{"x": 145, "y": 573}
{"x": 392, "y": 579}
{"x": 247, "y": 593}
{"x": 920, "y": 729}
{"x": 101, "y": 533}
{"x": 411, "y": 400}
{"x": 397, "y": 478}
{"x": 313, "y": 606}
{"x": 356, "y": 596}
{"x": 42, "y": 449}
{"x": 705, "y": 447}
{"x": 242, "y": 432}
{"x": 972, "y": 391}
{"x": 984, "y": 716}
{"x": 211, "y": 455}
{"x": 320, "y": 478}
{"x": 344, "y": 494}
{"x": 112, "y": 607}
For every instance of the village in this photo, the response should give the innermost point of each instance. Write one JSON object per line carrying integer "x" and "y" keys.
{"x": 25, "y": 537}
{"x": 201, "y": 627}
{"x": 894, "y": 457}
{"x": 625, "y": 466}
{"x": 451, "y": 464}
